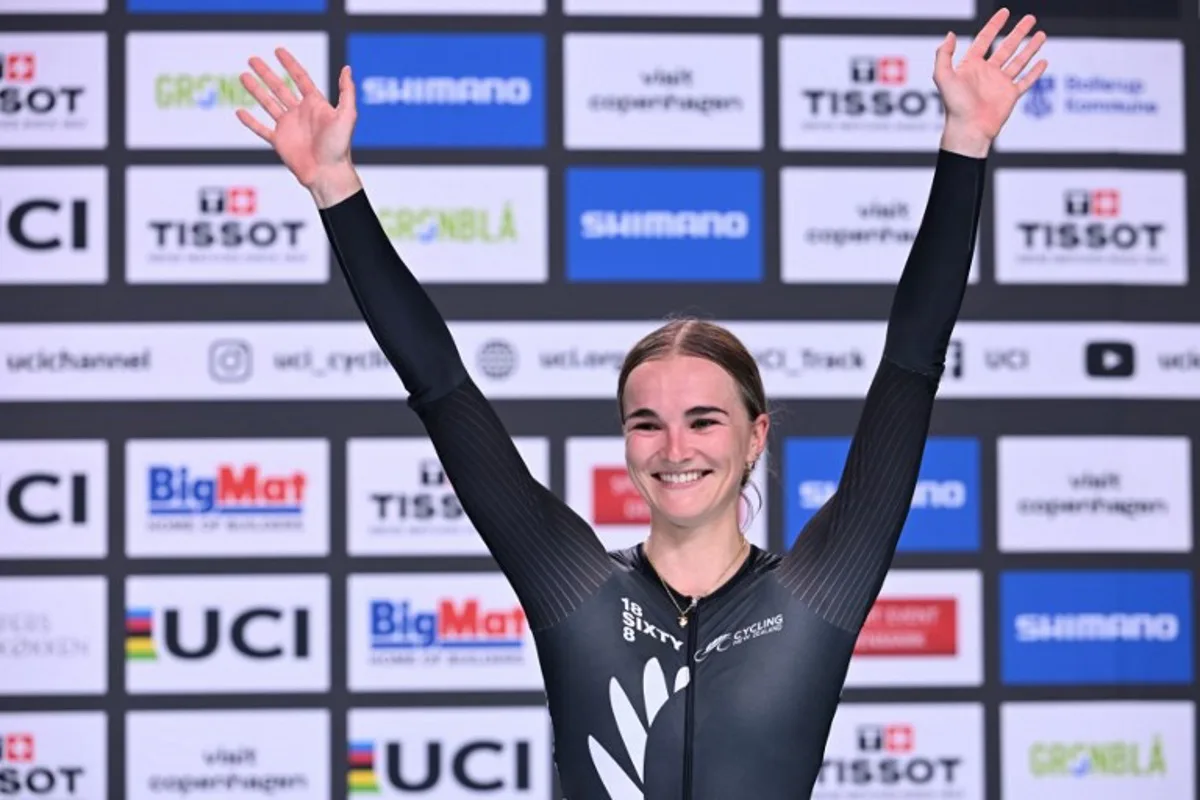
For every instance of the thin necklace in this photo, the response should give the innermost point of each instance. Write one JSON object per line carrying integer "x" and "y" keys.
{"x": 683, "y": 612}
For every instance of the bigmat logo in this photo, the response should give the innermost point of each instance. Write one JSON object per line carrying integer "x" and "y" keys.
{"x": 449, "y": 90}
{"x": 664, "y": 224}
{"x": 1096, "y": 627}
{"x": 53, "y": 754}
{"x": 244, "y": 633}
{"x": 448, "y": 632}
{"x": 945, "y": 512}
{"x": 449, "y": 752}
{"x": 234, "y": 497}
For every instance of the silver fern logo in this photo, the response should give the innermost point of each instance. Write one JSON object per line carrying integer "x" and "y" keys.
{"x": 616, "y": 780}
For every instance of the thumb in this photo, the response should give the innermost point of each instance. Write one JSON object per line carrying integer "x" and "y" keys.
{"x": 347, "y": 102}
{"x": 942, "y": 61}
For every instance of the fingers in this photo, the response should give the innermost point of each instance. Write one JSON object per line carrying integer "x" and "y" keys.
{"x": 1007, "y": 47}
{"x": 943, "y": 57}
{"x": 264, "y": 97}
{"x": 264, "y": 133}
{"x": 1030, "y": 78}
{"x": 274, "y": 83}
{"x": 1013, "y": 68}
{"x": 303, "y": 82}
{"x": 347, "y": 102}
{"x": 985, "y": 37}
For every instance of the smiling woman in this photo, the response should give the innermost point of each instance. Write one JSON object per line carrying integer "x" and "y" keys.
{"x": 693, "y": 665}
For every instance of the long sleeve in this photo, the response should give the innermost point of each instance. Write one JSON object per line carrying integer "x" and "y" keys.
{"x": 838, "y": 562}
{"x": 550, "y": 555}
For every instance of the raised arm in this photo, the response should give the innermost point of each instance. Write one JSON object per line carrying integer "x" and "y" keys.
{"x": 839, "y": 560}
{"x": 548, "y": 553}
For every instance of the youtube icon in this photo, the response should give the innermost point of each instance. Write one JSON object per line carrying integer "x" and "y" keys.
{"x": 1110, "y": 359}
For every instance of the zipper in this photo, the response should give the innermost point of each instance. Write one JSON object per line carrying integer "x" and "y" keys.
{"x": 688, "y": 714}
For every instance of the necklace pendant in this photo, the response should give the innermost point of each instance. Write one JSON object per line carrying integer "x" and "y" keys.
{"x": 682, "y": 620}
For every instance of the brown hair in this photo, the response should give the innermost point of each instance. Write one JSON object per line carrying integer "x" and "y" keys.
{"x": 690, "y": 336}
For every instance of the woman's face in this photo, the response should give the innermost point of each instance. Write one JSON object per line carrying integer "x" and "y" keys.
{"x": 688, "y": 439}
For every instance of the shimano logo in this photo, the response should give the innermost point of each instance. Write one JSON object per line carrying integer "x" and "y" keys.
{"x": 442, "y": 90}
{"x": 661, "y": 224}
{"x": 1140, "y": 627}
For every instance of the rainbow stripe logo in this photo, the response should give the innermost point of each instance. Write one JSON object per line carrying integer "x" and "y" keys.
{"x": 139, "y": 629}
{"x": 360, "y": 777}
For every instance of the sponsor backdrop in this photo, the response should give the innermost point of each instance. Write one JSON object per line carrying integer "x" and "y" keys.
{"x": 230, "y": 562}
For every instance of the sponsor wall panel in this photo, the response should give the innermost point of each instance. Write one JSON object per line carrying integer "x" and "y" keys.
{"x": 1097, "y": 750}
{"x": 1094, "y": 494}
{"x": 889, "y": 751}
{"x": 509, "y": 160}
{"x": 240, "y": 753}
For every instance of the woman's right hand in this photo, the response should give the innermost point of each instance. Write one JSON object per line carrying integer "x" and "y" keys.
{"x": 311, "y": 137}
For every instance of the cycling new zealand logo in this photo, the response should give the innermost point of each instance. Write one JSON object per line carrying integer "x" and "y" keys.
{"x": 664, "y": 224}
{"x": 945, "y": 513}
{"x": 1096, "y": 627}
{"x": 470, "y": 90}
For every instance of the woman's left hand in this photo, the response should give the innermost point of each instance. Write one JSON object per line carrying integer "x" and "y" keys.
{"x": 980, "y": 93}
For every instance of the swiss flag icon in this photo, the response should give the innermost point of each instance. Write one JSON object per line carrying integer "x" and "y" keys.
{"x": 19, "y": 67}
{"x": 17, "y": 748}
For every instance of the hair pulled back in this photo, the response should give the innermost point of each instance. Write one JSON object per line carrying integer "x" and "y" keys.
{"x": 690, "y": 336}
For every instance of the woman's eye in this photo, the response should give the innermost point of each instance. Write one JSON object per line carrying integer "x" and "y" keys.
{"x": 704, "y": 423}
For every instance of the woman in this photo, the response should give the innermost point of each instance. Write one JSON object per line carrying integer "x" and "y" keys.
{"x": 694, "y": 665}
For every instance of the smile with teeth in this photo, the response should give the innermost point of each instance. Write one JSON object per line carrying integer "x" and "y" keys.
{"x": 681, "y": 478}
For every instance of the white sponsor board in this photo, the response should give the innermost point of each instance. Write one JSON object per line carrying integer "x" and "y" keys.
{"x": 1107, "y": 95}
{"x": 83, "y": 362}
{"x": 400, "y": 501}
{"x": 664, "y": 8}
{"x": 438, "y": 633}
{"x": 55, "y": 90}
{"x": 483, "y": 7}
{"x": 53, "y": 6}
{"x": 462, "y": 752}
{"x": 53, "y": 225}
{"x": 1094, "y": 750}
{"x": 227, "y": 497}
{"x": 464, "y": 224}
{"x": 1094, "y": 494}
{"x": 1099, "y": 226}
{"x": 662, "y": 91}
{"x": 879, "y": 9}
{"x": 215, "y": 224}
{"x": 241, "y": 754}
{"x": 904, "y": 751}
{"x": 182, "y": 89}
{"x": 53, "y": 498}
{"x": 852, "y": 224}
{"x": 54, "y": 639}
{"x": 205, "y": 634}
{"x": 925, "y": 629}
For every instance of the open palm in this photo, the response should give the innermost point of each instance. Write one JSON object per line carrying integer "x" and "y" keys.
{"x": 981, "y": 92}
{"x": 311, "y": 137}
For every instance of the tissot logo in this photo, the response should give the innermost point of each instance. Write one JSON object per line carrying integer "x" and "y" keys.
{"x": 1110, "y": 359}
{"x": 24, "y": 772}
{"x": 53, "y": 90}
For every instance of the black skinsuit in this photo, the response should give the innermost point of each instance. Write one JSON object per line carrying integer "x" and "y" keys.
{"x": 737, "y": 703}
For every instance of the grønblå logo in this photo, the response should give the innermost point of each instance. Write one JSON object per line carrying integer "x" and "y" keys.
{"x": 664, "y": 224}
{"x": 449, "y": 90}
